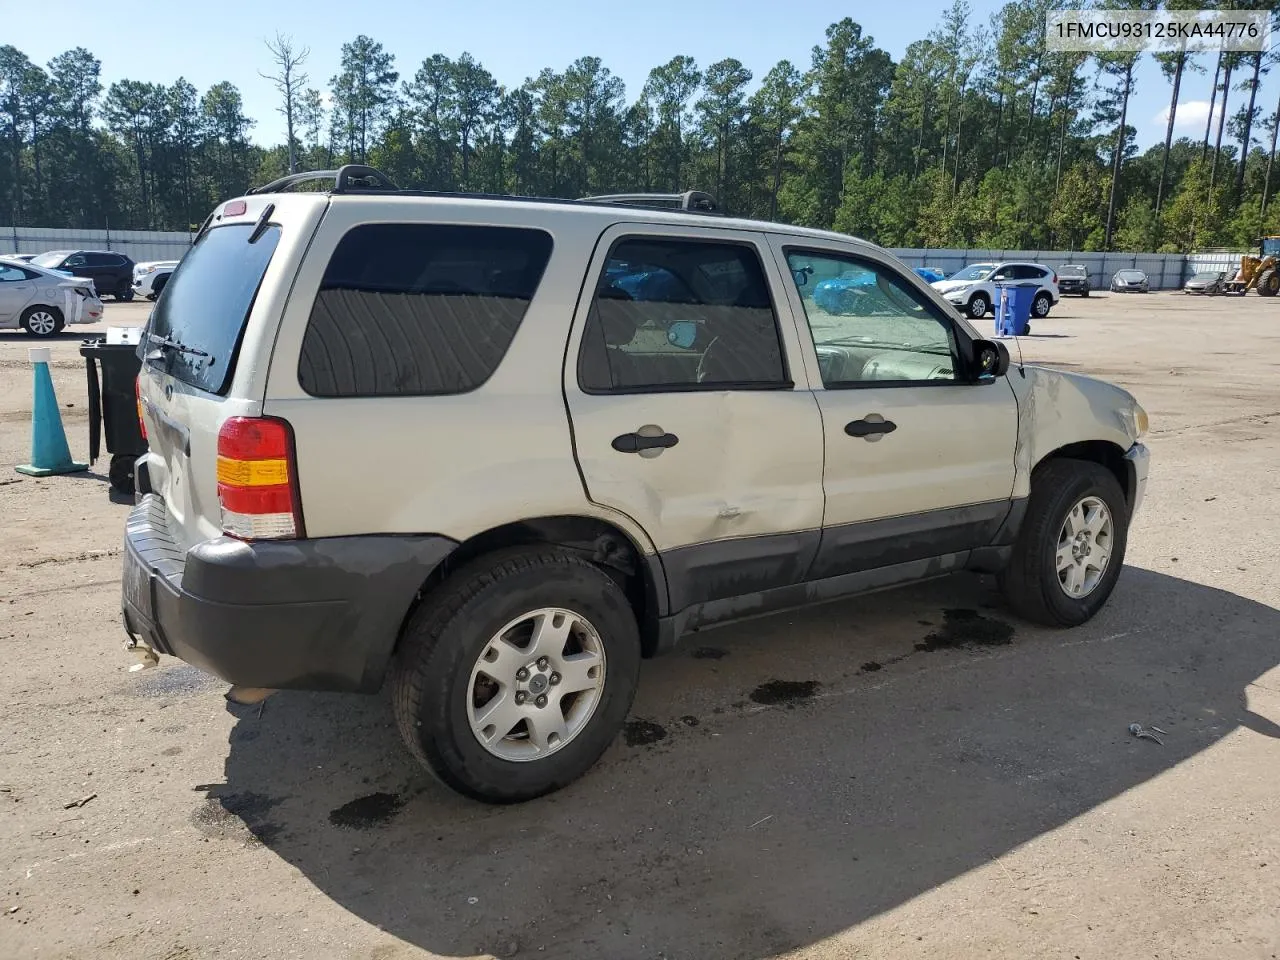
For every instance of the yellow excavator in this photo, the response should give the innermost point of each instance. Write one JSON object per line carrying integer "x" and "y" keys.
{"x": 1261, "y": 272}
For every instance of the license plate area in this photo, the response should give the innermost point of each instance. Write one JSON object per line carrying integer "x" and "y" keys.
{"x": 137, "y": 586}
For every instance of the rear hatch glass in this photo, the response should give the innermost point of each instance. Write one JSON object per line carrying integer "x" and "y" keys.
{"x": 195, "y": 331}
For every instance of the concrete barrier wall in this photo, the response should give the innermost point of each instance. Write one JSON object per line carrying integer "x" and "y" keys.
{"x": 139, "y": 245}
{"x": 1167, "y": 271}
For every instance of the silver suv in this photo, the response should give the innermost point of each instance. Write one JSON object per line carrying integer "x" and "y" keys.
{"x": 497, "y": 451}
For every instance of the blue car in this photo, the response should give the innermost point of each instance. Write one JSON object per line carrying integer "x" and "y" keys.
{"x": 844, "y": 294}
{"x": 930, "y": 274}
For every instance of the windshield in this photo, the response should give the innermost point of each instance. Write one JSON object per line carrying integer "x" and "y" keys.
{"x": 1208, "y": 275}
{"x": 977, "y": 271}
{"x": 1131, "y": 275}
{"x": 1071, "y": 271}
{"x": 1271, "y": 246}
{"x": 206, "y": 305}
{"x": 50, "y": 259}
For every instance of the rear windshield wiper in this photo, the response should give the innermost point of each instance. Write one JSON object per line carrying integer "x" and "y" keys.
{"x": 167, "y": 344}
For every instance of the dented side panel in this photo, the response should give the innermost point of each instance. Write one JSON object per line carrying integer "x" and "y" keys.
{"x": 1056, "y": 409}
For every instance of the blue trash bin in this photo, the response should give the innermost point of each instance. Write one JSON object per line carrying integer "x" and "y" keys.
{"x": 1013, "y": 309}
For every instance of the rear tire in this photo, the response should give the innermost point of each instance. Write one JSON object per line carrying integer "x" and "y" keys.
{"x": 125, "y": 294}
{"x": 1037, "y": 585}
{"x": 1041, "y": 306}
{"x": 120, "y": 474}
{"x": 42, "y": 321}
{"x": 441, "y": 668}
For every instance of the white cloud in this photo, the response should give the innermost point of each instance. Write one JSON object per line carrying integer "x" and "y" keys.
{"x": 1192, "y": 116}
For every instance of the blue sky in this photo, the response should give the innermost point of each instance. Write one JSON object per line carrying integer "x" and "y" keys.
{"x": 223, "y": 40}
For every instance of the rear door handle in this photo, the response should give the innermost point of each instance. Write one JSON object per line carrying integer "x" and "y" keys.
{"x": 871, "y": 427}
{"x": 635, "y": 442}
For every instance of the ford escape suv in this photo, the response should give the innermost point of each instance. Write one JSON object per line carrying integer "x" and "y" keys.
{"x": 496, "y": 451}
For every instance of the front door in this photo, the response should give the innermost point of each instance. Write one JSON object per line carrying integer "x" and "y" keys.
{"x": 919, "y": 459}
{"x": 686, "y": 410}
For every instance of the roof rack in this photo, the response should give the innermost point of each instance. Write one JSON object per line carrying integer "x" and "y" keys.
{"x": 352, "y": 178}
{"x": 691, "y": 201}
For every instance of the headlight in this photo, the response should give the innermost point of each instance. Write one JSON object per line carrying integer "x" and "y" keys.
{"x": 1140, "y": 419}
{"x": 151, "y": 269}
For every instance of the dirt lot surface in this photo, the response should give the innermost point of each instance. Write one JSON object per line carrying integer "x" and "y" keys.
{"x": 914, "y": 774}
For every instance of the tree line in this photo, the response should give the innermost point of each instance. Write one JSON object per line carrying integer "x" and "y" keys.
{"x": 978, "y": 136}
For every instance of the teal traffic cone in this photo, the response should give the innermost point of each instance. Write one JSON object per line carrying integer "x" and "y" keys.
{"x": 49, "y": 451}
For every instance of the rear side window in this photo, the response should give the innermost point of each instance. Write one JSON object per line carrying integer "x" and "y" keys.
{"x": 419, "y": 309}
{"x": 198, "y": 324}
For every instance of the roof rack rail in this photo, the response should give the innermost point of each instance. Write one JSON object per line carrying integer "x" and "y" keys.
{"x": 692, "y": 201}
{"x": 352, "y": 178}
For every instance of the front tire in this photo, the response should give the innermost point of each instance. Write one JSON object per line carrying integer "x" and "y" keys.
{"x": 978, "y": 306}
{"x": 489, "y": 681}
{"x": 125, "y": 294}
{"x": 1268, "y": 283}
{"x": 1071, "y": 546}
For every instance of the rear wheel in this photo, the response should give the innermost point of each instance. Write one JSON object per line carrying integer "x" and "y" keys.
{"x": 978, "y": 306}
{"x": 517, "y": 673}
{"x": 1041, "y": 305}
{"x": 125, "y": 293}
{"x": 1071, "y": 546}
{"x": 1268, "y": 283}
{"x": 42, "y": 321}
{"x": 120, "y": 473}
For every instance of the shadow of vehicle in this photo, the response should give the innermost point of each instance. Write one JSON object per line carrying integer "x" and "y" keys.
{"x": 781, "y": 780}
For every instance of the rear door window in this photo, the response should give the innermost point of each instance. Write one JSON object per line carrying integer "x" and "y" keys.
{"x": 197, "y": 326}
{"x": 409, "y": 309}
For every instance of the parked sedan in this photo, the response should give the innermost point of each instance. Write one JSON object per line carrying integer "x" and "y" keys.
{"x": 150, "y": 278}
{"x": 41, "y": 301}
{"x": 1206, "y": 282}
{"x": 110, "y": 272}
{"x": 1130, "y": 281}
{"x": 1073, "y": 279}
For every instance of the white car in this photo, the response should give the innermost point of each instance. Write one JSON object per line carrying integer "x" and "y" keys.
{"x": 42, "y": 301}
{"x": 974, "y": 289}
{"x": 150, "y": 278}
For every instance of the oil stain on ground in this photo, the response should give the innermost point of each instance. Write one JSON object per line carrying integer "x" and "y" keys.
{"x": 366, "y": 812}
{"x": 964, "y": 628}
{"x": 784, "y": 692}
{"x": 643, "y": 733}
{"x": 709, "y": 653}
{"x": 227, "y": 817}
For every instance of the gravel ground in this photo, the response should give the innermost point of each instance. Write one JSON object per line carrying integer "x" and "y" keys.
{"x": 912, "y": 774}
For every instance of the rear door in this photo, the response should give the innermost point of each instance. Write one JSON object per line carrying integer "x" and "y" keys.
{"x": 691, "y": 413}
{"x": 206, "y": 348}
{"x": 16, "y": 289}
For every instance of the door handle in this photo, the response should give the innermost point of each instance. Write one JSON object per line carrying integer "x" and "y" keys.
{"x": 635, "y": 442}
{"x": 872, "y": 427}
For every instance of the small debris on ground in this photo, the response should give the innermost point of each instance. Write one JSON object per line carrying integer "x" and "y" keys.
{"x": 79, "y": 803}
{"x": 1143, "y": 734}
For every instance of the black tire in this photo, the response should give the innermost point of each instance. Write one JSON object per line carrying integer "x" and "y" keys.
{"x": 1030, "y": 582}
{"x": 157, "y": 288}
{"x": 978, "y": 306}
{"x": 36, "y": 315}
{"x": 1041, "y": 306}
{"x": 125, "y": 293}
{"x": 1085, "y": 294}
{"x": 1268, "y": 283}
{"x": 120, "y": 474}
{"x": 447, "y": 634}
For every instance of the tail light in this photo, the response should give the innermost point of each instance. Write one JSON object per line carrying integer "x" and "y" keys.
{"x": 1055, "y": 276}
{"x": 258, "y": 479}
{"x": 137, "y": 393}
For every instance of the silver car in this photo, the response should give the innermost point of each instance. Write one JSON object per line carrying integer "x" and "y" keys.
{"x": 1130, "y": 281}
{"x": 42, "y": 301}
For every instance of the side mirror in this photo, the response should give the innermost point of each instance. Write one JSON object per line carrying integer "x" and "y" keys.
{"x": 991, "y": 359}
{"x": 682, "y": 334}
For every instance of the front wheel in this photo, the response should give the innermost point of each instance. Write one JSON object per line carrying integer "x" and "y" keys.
{"x": 517, "y": 673}
{"x": 978, "y": 306}
{"x": 125, "y": 294}
{"x": 1071, "y": 546}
